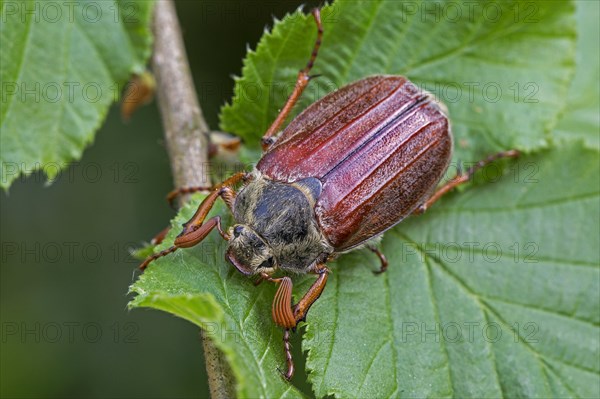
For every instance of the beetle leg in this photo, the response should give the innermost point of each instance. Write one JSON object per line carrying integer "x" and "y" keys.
{"x": 185, "y": 190}
{"x": 157, "y": 239}
{"x": 196, "y": 221}
{"x": 382, "y": 259}
{"x": 301, "y": 83}
{"x": 284, "y": 314}
{"x": 313, "y": 293}
{"x": 288, "y": 356}
{"x": 189, "y": 239}
{"x": 287, "y": 317}
{"x": 222, "y": 143}
{"x": 193, "y": 237}
{"x": 194, "y": 189}
{"x": 190, "y": 230}
{"x": 194, "y": 230}
{"x": 461, "y": 178}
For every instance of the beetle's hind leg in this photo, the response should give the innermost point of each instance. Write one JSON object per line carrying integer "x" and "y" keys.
{"x": 382, "y": 259}
{"x": 461, "y": 178}
{"x": 287, "y": 316}
{"x": 301, "y": 82}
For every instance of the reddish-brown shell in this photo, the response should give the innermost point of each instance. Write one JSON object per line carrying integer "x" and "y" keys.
{"x": 379, "y": 146}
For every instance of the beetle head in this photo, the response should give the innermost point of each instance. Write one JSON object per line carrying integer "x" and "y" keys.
{"x": 248, "y": 252}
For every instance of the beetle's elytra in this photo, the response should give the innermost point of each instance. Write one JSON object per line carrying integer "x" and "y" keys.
{"x": 378, "y": 147}
{"x": 349, "y": 167}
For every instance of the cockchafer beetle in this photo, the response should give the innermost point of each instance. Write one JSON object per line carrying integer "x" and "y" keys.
{"x": 349, "y": 167}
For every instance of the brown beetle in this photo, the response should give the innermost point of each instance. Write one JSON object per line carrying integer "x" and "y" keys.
{"x": 348, "y": 168}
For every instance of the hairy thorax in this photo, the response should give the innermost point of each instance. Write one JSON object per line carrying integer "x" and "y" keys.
{"x": 282, "y": 214}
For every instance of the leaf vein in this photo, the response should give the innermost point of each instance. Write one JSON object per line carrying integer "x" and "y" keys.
{"x": 344, "y": 75}
{"x": 519, "y": 207}
{"x": 21, "y": 61}
{"x": 436, "y": 315}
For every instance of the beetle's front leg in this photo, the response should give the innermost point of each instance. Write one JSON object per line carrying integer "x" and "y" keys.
{"x": 287, "y": 316}
{"x": 185, "y": 190}
{"x": 189, "y": 239}
{"x": 284, "y": 314}
{"x": 226, "y": 193}
{"x": 301, "y": 83}
{"x": 313, "y": 293}
{"x": 190, "y": 190}
{"x": 195, "y": 230}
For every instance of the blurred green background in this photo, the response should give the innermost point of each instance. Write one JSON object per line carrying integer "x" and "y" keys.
{"x": 65, "y": 264}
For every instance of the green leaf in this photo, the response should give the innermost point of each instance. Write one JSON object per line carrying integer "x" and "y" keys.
{"x": 63, "y": 65}
{"x": 199, "y": 286}
{"x": 582, "y": 119}
{"x": 397, "y": 334}
{"x": 503, "y": 68}
{"x": 492, "y": 293}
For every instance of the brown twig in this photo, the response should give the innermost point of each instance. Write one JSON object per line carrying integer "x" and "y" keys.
{"x": 186, "y": 136}
{"x": 186, "y": 131}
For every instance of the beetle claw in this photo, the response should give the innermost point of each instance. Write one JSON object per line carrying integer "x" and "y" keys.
{"x": 284, "y": 374}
